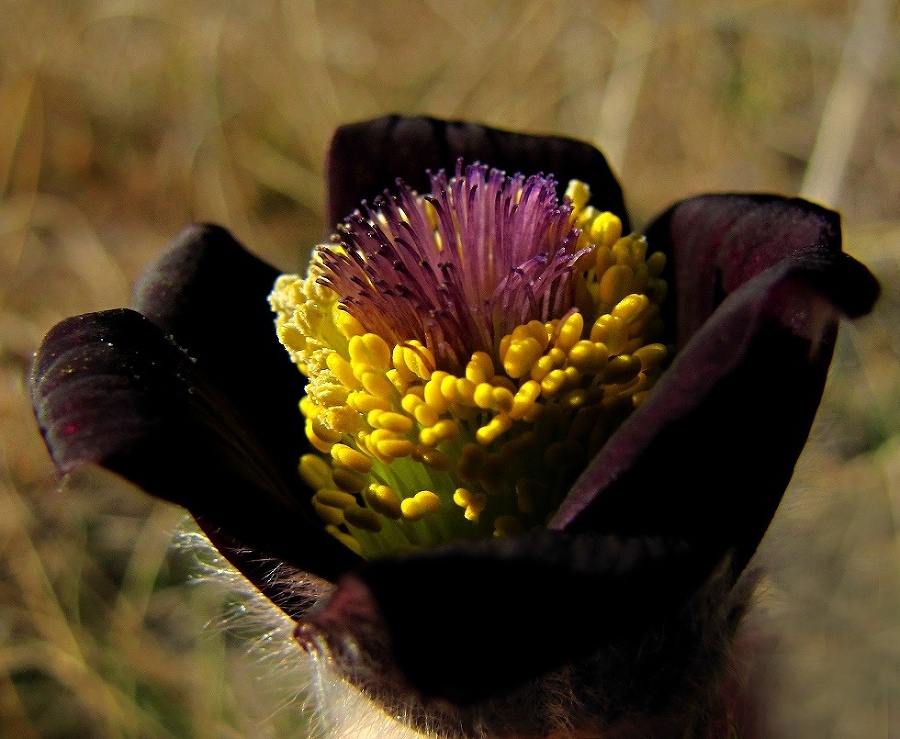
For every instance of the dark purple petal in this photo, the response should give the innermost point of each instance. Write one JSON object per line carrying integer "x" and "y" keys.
{"x": 465, "y": 621}
{"x": 209, "y": 294}
{"x": 709, "y": 454}
{"x": 108, "y": 388}
{"x": 715, "y": 243}
{"x": 367, "y": 158}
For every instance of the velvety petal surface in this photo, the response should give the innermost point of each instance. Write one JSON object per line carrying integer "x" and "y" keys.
{"x": 709, "y": 454}
{"x": 465, "y": 621}
{"x": 367, "y": 158}
{"x": 108, "y": 388}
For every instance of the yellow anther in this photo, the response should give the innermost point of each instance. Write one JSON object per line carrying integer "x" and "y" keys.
{"x": 474, "y": 503}
{"x": 343, "y": 371}
{"x": 318, "y": 444}
{"x": 588, "y": 356}
{"x": 420, "y": 505}
{"x": 606, "y": 229}
{"x": 346, "y": 539}
{"x": 603, "y": 260}
{"x": 396, "y": 422}
{"x": 569, "y": 332}
{"x": 393, "y": 448}
{"x": 480, "y": 368}
{"x": 465, "y": 391}
{"x": 364, "y": 402}
{"x": 615, "y": 284}
{"x": 384, "y": 500}
{"x": 315, "y": 471}
{"x": 323, "y": 432}
{"x": 349, "y": 480}
{"x": 651, "y": 355}
{"x": 507, "y": 526}
{"x": 347, "y": 324}
{"x": 524, "y": 399}
{"x": 441, "y": 431}
{"x": 553, "y": 382}
{"x": 415, "y": 358}
{"x": 376, "y": 383}
{"x": 362, "y": 518}
{"x": 433, "y": 395}
{"x": 499, "y": 424}
{"x": 370, "y": 349}
{"x": 334, "y": 498}
{"x": 351, "y": 458}
{"x": 622, "y": 369}
{"x": 611, "y": 332}
{"x": 579, "y": 193}
{"x": 631, "y": 308}
{"x": 426, "y": 415}
{"x": 521, "y": 355}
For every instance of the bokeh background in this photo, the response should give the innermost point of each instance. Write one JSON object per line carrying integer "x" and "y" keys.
{"x": 123, "y": 120}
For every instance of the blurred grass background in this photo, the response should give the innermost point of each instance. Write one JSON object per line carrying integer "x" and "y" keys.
{"x": 122, "y": 120}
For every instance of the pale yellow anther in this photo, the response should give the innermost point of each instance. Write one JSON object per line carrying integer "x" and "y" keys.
{"x": 414, "y": 358}
{"x": 364, "y": 402}
{"x": 499, "y": 424}
{"x": 443, "y": 430}
{"x": 615, "y": 284}
{"x": 384, "y": 500}
{"x": 343, "y": 371}
{"x": 315, "y": 471}
{"x": 606, "y": 229}
{"x": 480, "y": 368}
{"x": 396, "y": 422}
{"x": 323, "y": 432}
{"x": 630, "y": 308}
{"x": 507, "y": 526}
{"x": 569, "y": 332}
{"x": 420, "y": 505}
{"x": 351, "y": 458}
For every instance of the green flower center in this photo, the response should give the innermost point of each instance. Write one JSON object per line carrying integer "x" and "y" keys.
{"x": 467, "y": 353}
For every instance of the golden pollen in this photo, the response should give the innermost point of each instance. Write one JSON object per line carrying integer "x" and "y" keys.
{"x": 423, "y": 436}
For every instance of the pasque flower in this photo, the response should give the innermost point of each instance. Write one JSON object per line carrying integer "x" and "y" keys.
{"x": 534, "y": 453}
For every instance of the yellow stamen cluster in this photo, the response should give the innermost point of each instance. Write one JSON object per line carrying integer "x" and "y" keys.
{"x": 412, "y": 455}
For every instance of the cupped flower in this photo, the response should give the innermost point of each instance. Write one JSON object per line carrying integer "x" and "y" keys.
{"x": 535, "y": 451}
